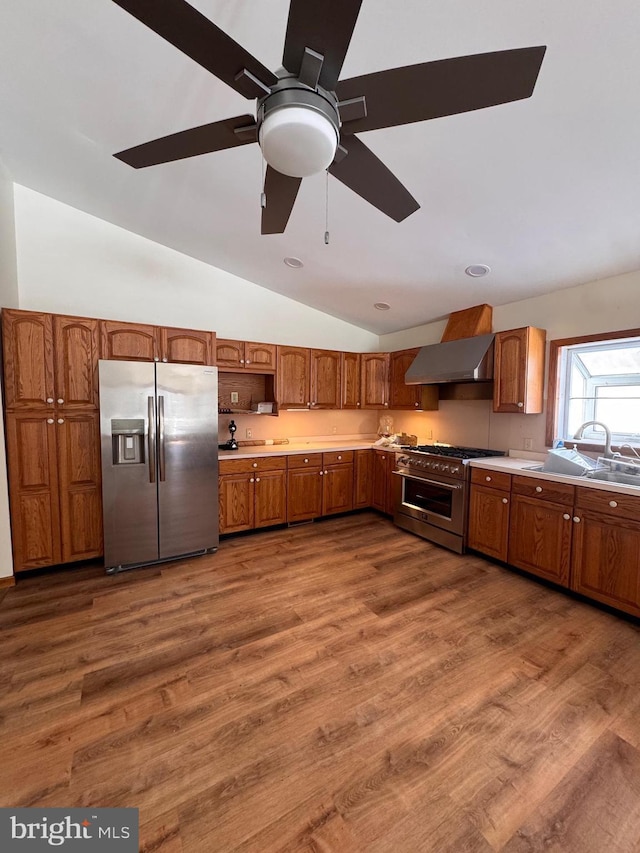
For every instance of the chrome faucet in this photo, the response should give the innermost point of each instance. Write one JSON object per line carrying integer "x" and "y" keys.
{"x": 607, "y": 434}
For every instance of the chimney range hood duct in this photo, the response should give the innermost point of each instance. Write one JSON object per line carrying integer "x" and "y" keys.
{"x": 463, "y": 360}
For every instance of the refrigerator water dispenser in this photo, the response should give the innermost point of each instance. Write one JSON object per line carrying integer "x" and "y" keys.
{"x": 127, "y": 437}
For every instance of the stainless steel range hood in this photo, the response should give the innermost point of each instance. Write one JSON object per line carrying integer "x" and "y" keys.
{"x": 463, "y": 360}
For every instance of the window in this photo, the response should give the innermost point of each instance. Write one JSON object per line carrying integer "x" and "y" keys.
{"x": 596, "y": 378}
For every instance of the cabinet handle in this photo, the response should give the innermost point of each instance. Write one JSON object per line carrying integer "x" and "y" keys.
{"x": 386, "y": 404}
{"x": 326, "y": 472}
{"x": 242, "y": 361}
{"x": 505, "y": 500}
{"x": 538, "y": 489}
{"x": 156, "y": 358}
{"x": 416, "y": 404}
{"x": 49, "y": 420}
{"x": 357, "y": 404}
{"x": 165, "y": 359}
{"x": 305, "y": 460}
{"x": 321, "y": 473}
{"x": 520, "y": 405}
{"x": 614, "y": 504}
{"x": 566, "y": 516}
{"x": 576, "y": 518}
{"x": 257, "y": 479}
{"x": 60, "y": 420}
{"x": 254, "y": 465}
{"x": 251, "y": 480}
{"x": 339, "y": 458}
{"x": 248, "y": 361}
{"x": 384, "y": 457}
{"x": 488, "y": 479}
{"x": 49, "y": 399}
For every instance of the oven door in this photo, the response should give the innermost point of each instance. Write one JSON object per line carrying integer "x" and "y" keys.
{"x": 434, "y": 500}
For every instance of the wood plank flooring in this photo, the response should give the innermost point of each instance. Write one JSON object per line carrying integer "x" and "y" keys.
{"x": 341, "y": 687}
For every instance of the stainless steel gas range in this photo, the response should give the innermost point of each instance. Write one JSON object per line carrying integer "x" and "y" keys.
{"x": 431, "y": 492}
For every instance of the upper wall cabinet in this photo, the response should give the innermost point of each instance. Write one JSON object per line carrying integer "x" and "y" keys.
{"x": 518, "y": 375}
{"x": 402, "y": 396}
{"x": 129, "y": 341}
{"x": 294, "y": 385}
{"x": 49, "y": 361}
{"x": 374, "y": 380}
{"x": 350, "y": 385}
{"x": 187, "y": 346}
{"x": 325, "y": 378}
{"x": 245, "y": 355}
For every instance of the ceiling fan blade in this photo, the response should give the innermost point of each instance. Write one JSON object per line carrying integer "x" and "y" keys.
{"x": 188, "y": 30}
{"x": 325, "y": 27}
{"x": 446, "y": 87}
{"x": 280, "y": 191}
{"x": 189, "y": 143}
{"x": 366, "y": 175}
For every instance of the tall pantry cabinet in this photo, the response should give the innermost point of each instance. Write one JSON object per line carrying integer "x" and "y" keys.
{"x": 53, "y": 441}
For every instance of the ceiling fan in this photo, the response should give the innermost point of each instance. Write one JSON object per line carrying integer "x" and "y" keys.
{"x": 306, "y": 118}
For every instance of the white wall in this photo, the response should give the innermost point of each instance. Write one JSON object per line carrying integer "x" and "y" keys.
{"x": 70, "y": 262}
{"x": 8, "y": 298}
{"x": 607, "y": 305}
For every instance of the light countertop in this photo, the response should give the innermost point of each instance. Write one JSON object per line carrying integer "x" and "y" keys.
{"x": 253, "y": 451}
{"x": 516, "y": 465}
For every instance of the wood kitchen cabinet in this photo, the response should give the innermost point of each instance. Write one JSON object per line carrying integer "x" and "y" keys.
{"x": 363, "y": 478}
{"x": 374, "y": 380}
{"x": 350, "y": 384}
{"x": 402, "y": 396}
{"x": 304, "y": 487}
{"x": 187, "y": 346}
{"x": 489, "y": 505}
{"x": 605, "y": 562}
{"x": 129, "y": 341}
{"x": 540, "y": 528}
{"x": 245, "y": 355}
{"x": 382, "y": 492}
{"x": 55, "y": 488}
{"x": 49, "y": 361}
{"x": 293, "y": 378}
{"x": 337, "y": 484}
{"x": 518, "y": 373}
{"x": 325, "y": 375}
{"x": 252, "y": 493}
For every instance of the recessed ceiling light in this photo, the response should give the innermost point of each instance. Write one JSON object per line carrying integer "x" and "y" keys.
{"x": 382, "y": 306}
{"x": 477, "y": 270}
{"x": 294, "y": 263}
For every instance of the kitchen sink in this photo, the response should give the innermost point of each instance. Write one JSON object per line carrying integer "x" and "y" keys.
{"x": 615, "y": 477}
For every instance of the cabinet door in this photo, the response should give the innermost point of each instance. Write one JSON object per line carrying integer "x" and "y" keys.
{"x": 374, "y": 380}
{"x": 606, "y": 560}
{"x": 76, "y": 352}
{"x": 489, "y": 521}
{"x": 230, "y": 353}
{"x": 293, "y": 377}
{"x": 79, "y": 467}
{"x": 187, "y": 346}
{"x": 28, "y": 360}
{"x": 519, "y": 371}
{"x": 325, "y": 370}
{"x": 402, "y": 396}
{"x": 236, "y": 502}
{"x": 380, "y": 481}
{"x": 304, "y": 493}
{"x": 338, "y": 489}
{"x": 540, "y": 538}
{"x": 260, "y": 357}
{"x": 271, "y": 498}
{"x": 363, "y": 478}
{"x": 129, "y": 341}
{"x": 33, "y": 490}
{"x": 350, "y": 380}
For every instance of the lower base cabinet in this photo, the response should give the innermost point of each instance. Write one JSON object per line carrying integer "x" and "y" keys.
{"x": 252, "y": 493}
{"x": 382, "y": 493}
{"x": 582, "y": 538}
{"x": 319, "y": 484}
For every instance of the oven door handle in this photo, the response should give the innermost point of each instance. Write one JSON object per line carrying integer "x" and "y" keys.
{"x": 438, "y": 483}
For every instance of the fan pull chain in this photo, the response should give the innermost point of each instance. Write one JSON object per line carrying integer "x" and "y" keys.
{"x": 326, "y": 211}
{"x": 263, "y": 195}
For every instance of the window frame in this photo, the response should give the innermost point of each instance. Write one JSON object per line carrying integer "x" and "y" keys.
{"x": 555, "y": 390}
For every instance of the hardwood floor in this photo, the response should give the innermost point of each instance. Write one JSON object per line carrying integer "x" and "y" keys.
{"x": 341, "y": 687}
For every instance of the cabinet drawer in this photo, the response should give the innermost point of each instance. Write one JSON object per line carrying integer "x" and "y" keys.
{"x": 305, "y": 460}
{"x": 245, "y": 466}
{"x": 612, "y": 503}
{"x": 494, "y": 479}
{"x": 337, "y": 457}
{"x": 560, "y": 493}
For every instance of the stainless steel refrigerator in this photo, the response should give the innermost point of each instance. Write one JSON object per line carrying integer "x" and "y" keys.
{"x": 159, "y": 434}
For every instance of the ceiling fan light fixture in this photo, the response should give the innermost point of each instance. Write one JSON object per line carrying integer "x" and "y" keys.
{"x": 298, "y": 141}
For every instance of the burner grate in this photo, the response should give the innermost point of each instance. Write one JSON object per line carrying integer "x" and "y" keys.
{"x": 454, "y": 452}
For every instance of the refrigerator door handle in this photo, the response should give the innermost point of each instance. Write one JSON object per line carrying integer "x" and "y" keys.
{"x": 151, "y": 440}
{"x": 161, "y": 437}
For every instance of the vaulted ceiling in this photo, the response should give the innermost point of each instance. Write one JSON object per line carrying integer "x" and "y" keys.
{"x": 545, "y": 190}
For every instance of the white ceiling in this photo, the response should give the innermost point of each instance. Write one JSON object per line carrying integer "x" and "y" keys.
{"x": 545, "y": 191}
